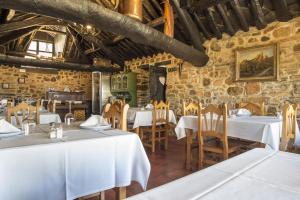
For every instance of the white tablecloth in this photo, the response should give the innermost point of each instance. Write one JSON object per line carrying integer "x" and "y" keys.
{"x": 83, "y": 162}
{"x": 262, "y": 129}
{"x": 259, "y": 174}
{"x": 45, "y": 118}
{"x": 144, "y": 117}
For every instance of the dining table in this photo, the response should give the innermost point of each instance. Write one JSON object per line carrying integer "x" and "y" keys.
{"x": 45, "y": 118}
{"x": 140, "y": 117}
{"x": 80, "y": 163}
{"x": 258, "y": 174}
{"x": 263, "y": 129}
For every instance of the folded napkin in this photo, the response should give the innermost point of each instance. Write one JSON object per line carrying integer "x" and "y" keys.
{"x": 243, "y": 112}
{"x": 149, "y": 106}
{"x": 6, "y": 127}
{"x": 95, "y": 120}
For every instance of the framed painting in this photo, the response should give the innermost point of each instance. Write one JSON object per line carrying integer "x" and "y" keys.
{"x": 258, "y": 63}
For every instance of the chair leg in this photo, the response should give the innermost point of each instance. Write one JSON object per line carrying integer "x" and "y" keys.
{"x": 153, "y": 142}
{"x": 166, "y": 140}
{"x": 188, "y": 152}
{"x": 201, "y": 157}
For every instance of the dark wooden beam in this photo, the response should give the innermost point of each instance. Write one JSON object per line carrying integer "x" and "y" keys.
{"x": 38, "y": 21}
{"x": 52, "y": 31}
{"x": 154, "y": 23}
{"x": 13, "y": 60}
{"x": 281, "y": 10}
{"x": 235, "y": 5}
{"x": 190, "y": 27}
{"x": 198, "y": 21}
{"x": 78, "y": 41}
{"x": 150, "y": 9}
{"x": 16, "y": 34}
{"x": 99, "y": 44}
{"x": 83, "y": 12}
{"x": 227, "y": 23}
{"x": 212, "y": 23}
{"x": 258, "y": 14}
{"x": 157, "y": 6}
{"x": 6, "y": 15}
{"x": 200, "y": 4}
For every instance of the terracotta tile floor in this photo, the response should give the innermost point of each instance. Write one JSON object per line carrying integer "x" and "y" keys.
{"x": 166, "y": 166}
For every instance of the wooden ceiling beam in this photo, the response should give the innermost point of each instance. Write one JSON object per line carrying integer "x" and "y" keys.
{"x": 108, "y": 52}
{"x": 235, "y": 5}
{"x": 198, "y": 21}
{"x": 87, "y": 12}
{"x": 200, "y": 4}
{"x": 212, "y": 23}
{"x": 38, "y": 21}
{"x": 258, "y": 14}
{"x": 189, "y": 25}
{"x": 13, "y": 60}
{"x": 14, "y": 35}
{"x": 154, "y": 23}
{"x": 281, "y": 10}
{"x": 78, "y": 41}
{"x": 52, "y": 31}
{"x": 226, "y": 21}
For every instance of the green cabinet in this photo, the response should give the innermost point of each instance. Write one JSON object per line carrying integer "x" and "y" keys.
{"x": 123, "y": 86}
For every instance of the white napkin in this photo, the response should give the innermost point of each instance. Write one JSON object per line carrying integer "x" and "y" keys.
{"x": 149, "y": 106}
{"x": 6, "y": 127}
{"x": 94, "y": 120}
{"x": 243, "y": 112}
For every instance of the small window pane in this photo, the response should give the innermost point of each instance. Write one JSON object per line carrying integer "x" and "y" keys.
{"x": 45, "y": 54}
{"x": 33, "y": 45}
{"x": 33, "y": 52}
{"x": 49, "y": 47}
{"x": 42, "y": 46}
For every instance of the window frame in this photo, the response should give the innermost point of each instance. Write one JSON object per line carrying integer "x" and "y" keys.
{"x": 37, "y": 50}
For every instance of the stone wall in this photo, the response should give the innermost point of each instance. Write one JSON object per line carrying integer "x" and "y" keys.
{"x": 37, "y": 82}
{"x": 215, "y": 83}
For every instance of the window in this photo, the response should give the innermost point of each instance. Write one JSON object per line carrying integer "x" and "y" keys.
{"x": 41, "y": 49}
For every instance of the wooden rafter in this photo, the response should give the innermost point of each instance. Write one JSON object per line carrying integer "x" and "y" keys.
{"x": 38, "y": 21}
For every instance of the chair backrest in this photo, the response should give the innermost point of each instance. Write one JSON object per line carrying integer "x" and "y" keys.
{"x": 26, "y": 111}
{"x": 51, "y": 107}
{"x": 255, "y": 109}
{"x": 190, "y": 108}
{"x": 116, "y": 114}
{"x": 289, "y": 123}
{"x": 160, "y": 113}
{"x": 210, "y": 122}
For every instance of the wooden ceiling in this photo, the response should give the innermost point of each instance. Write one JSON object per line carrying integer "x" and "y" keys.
{"x": 211, "y": 18}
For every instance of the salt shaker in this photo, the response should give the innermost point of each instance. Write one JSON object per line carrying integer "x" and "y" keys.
{"x": 59, "y": 132}
{"x": 25, "y": 128}
{"x": 52, "y": 132}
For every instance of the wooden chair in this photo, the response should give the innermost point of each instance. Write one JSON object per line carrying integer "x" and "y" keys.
{"x": 159, "y": 131}
{"x": 190, "y": 108}
{"x": 117, "y": 115}
{"x": 211, "y": 126}
{"x": 27, "y": 111}
{"x": 289, "y": 123}
{"x": 51, "y": 107}
{"x": 255, "y": 109}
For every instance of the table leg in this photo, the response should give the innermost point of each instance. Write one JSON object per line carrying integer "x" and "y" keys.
{"x": 120, "y": 193}
{"x": 137, "y": 131}
{"x": 188, "y": 149}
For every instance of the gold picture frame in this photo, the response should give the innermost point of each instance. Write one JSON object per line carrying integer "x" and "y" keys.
{"x": 259, "y": 63}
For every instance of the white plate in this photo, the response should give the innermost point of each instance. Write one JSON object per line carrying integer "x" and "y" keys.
{"x": 96, "y": 128}
{"x": 5, "y": 135}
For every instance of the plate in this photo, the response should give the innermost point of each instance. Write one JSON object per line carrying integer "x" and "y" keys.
{"x": 96, "y": 128}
